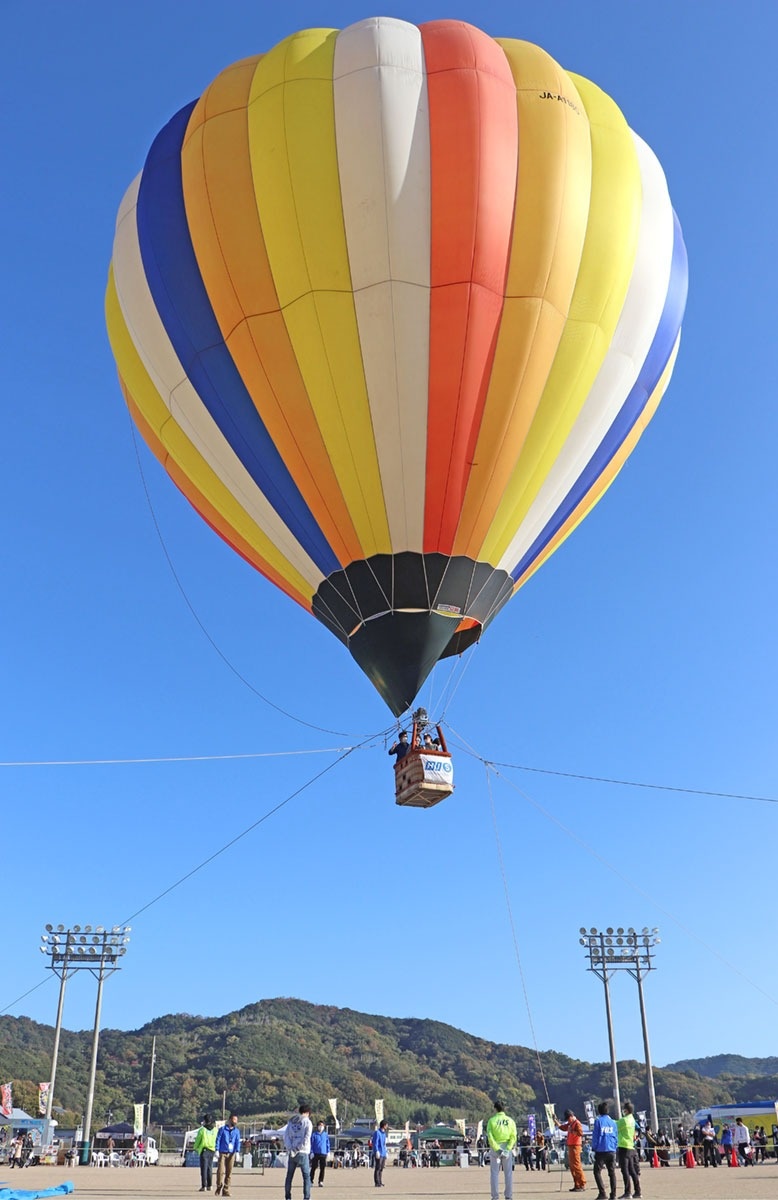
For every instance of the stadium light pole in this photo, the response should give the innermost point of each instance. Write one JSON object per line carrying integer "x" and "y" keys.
{"x": 631, "y": 951}
{"x": 59, "y": 946}
{"x": 639, "y": 961}
{"x": 82, "y": 949}
{"x": 595, "y": 945}
{"x": 103, "y": 960}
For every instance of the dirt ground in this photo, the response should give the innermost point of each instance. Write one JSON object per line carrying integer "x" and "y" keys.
{"x": 669, "y": 1183}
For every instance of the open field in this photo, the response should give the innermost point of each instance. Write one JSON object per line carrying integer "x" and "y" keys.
{"x": 155, "y": 1183}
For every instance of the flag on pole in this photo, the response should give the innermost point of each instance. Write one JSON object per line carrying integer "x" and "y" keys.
{"x": 137, "y": 1125}
{"x": 43, "y": 1097}
{"x": 550, "y": 1115}
{"x": 461, "y": 1125}
{"x": 532, "y": 1125}
{"x": 379, "y": 1110}
{"x": 6, "y": 1100}
{"x": 479, "y": 1130}
{"x": 333, "y": 1103}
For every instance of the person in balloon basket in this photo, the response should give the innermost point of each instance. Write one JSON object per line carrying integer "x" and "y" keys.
{"x": 501, "y": 1136}
{"x": 400, "y": 747}
{"x": 320, "y": 1148}
{"x": 296, "y": 1135}
{"x": 628, "y": 1155}
{"x": 378, "y": 1146}
{"x": 228, "y": 1148}
{"x": 574, "y": 1130}
{"x": 204, "y": 1145}
{"x": 605, "y": 1143}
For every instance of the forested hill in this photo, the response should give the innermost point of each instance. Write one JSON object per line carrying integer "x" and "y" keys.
{"x": 270, "y": 1054}
{"x": 719, "y": 1065}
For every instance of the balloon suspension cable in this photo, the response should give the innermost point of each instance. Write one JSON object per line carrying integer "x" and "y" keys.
{"x": 513, "y": 930}
{"x": 465, "y": 662}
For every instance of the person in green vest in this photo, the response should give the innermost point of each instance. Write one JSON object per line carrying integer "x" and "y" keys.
{"x": 501, "y": 1135}
{"x": 205, "y": 1144}
{"x": 628, "y": 1155}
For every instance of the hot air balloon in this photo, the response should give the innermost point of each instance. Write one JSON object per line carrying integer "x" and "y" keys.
{"x": 392, "y": 305}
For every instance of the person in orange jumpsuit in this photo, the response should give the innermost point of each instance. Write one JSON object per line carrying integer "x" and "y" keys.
{"x": 572, "y": 1127}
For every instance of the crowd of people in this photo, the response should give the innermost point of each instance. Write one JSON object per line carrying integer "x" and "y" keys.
{"x": 20, "y": 1150}
{"x": 612, "y": 1143}
{"x": 736, "y": 1145}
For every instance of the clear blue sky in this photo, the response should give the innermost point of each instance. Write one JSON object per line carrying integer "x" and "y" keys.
{"x": 644, "y": 650}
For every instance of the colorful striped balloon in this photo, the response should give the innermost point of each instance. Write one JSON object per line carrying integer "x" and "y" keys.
{"x": 392, "y": 305}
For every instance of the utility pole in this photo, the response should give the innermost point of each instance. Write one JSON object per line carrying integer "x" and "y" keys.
{"x": 151, "y": 1081}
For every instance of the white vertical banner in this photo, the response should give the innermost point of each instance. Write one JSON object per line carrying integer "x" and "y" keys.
{"x": 137, "y": 1125}
{"x": 6, "y": 1100}
{"x": 379, "y": 1110}
{"x": 479, "y": 1129}
{"x": 43, "y": 1097}
{"x": 461, "y": 1125}
{"x": 333, "y": 1103}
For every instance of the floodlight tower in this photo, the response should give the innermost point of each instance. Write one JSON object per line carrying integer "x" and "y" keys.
{"x": 596, "y": 946}
{"x": 638, "y": 958}
{"x": 95, "y": 950}
{"x": 633, "y": 952}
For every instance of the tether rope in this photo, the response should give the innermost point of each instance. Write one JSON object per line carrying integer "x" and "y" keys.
{"x": 619, "y": 874}
{"x": 513, "y": 931}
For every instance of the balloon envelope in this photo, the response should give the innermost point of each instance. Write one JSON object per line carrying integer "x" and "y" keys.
{"x": 393, "y": 305}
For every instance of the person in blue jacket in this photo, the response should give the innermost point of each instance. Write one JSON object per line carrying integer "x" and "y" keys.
{"x": 320, "y": 1148}
{"x": 228, "y": 1148}
{"x": 605, "y": 1140}
{"x": 378, "y": 1142}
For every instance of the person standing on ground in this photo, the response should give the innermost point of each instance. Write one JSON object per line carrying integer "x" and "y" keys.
{"x": 525, "y": 1147}
{"x": 501, "y": 1136}
{"x": 296, "y": 1136}
{"x": 605, "y": 1141}
{"x": 574, "y": 1130}
{"x": 378, "y": 1145}
{"x": 320, "y": 1148}
{"x": 710, "y": 1150}
{"x": 628, "y": 1155}
{"x": 742, "y": 1140}
{"x": 228, "y": 1148}
{"x": 204, "y": 1145}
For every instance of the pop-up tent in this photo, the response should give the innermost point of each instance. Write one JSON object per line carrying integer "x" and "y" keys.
{"x": 121, "y": 1132}
{"x": 441, "y": 1133}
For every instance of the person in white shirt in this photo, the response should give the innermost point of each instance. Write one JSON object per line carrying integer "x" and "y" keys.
{"x": 296, "y": 1135}
{"x": 742, "y": 1140}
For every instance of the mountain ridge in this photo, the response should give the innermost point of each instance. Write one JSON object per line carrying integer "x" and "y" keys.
{"x": 269, "y": 1054}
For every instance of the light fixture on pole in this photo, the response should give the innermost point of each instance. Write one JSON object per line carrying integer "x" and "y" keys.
{"x": 82, "y": 948}
{"x": 597, "y": 947}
